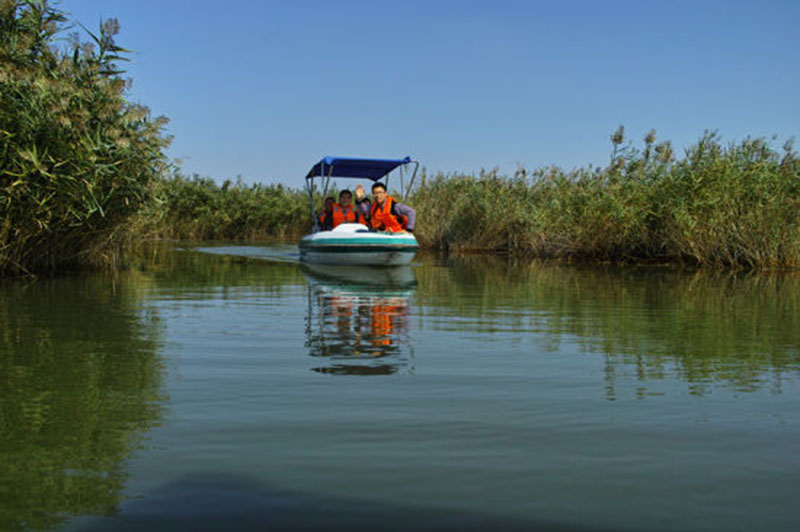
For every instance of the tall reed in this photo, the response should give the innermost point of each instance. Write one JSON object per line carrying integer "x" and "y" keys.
{"x": 198, "y": 208}
{"x": 735, "y": 205}
{"x": 77, "y": 161}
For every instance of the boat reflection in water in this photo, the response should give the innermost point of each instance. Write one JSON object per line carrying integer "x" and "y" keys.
{"x": 358, "y": 318}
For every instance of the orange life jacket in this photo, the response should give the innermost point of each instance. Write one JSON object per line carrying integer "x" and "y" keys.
{"x": 340, "y": 216}
{"x": 382, "y": 218}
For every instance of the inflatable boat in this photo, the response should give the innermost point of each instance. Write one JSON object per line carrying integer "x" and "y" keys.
{"x": 354, "y": 243}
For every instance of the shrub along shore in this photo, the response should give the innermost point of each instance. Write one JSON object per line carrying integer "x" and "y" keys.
{"x": 731, "y": 206}
{"x": 719, "y": 205}
{"x": 83, "y": 175}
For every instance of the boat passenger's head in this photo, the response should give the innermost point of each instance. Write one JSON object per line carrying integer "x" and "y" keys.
{"x": 379, "y": 192}
{"x": 345, "y": 198}
{"x": 329, "y": 201}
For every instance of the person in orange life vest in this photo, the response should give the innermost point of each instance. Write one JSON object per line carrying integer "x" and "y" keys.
{"x": 385, "y": 214}
{"x": 344, "y": 212}
{"x": 326, "y": 217}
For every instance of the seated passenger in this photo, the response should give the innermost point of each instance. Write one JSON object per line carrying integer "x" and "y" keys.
{"x": 345, "y": 212}
{"x": 385, "y": 214}
{"x": 326, "y": 217}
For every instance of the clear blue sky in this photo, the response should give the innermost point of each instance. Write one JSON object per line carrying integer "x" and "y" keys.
{"x": 264, "y": 89}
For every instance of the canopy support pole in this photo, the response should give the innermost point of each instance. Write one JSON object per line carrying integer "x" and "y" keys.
{"x": 310, "y": 187}
{"x": 411, "y": 183}
{"x": 311, "y": 204}
{"x": 327, "y": 182}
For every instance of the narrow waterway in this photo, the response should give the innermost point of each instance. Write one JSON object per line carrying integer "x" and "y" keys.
{"x": 232, "y": 388}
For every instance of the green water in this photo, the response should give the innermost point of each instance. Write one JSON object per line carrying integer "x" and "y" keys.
{"x": 214, "y": 390}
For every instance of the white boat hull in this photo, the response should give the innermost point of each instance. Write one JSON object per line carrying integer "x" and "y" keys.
{"x": 355, "y": 244}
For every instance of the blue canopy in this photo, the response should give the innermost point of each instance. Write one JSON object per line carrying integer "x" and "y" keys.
{"x": 373, "y": 169}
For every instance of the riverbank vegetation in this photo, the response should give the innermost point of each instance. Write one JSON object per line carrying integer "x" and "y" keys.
{"x": 77, "y": 161}
{"x": 198, "y": 208}
{"x": 83, "y": 174}
{"x": 734, "y": 205}
{"x": 720, "y": 205}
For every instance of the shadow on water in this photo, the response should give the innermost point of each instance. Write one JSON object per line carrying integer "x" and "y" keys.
{"x": 82, "y": 382}
{"x": 206, "y": 502}
{"x": 358, "y": 318}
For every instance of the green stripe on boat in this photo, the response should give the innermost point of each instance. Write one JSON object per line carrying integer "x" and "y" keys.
{"x": 359, "y": 242}
{"x": 359, "y": 249}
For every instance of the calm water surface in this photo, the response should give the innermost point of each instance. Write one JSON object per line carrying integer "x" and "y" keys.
{"x": 210, "y": 389}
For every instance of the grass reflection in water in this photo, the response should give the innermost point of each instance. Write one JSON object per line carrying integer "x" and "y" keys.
{"x": 81, "y": 381}
{"x": 511, "y": 361}
{"x": 649, "y": 323}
